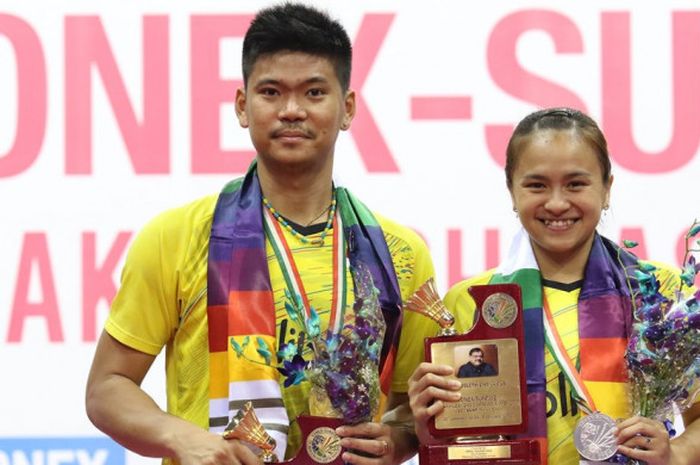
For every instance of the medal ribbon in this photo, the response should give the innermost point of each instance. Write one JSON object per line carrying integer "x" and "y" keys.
{"x": 558, "y": 351}
{"x": 291, "y": 274}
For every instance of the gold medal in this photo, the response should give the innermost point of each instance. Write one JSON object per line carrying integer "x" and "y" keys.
{"x": 499, "y": 310}
{"x": 323, "y": 445}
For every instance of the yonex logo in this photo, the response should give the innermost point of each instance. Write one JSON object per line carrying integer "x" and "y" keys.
{"x": 60, "y": 451}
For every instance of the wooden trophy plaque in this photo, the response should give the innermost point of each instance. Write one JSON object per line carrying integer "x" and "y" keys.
{"x": 489, "y": 361}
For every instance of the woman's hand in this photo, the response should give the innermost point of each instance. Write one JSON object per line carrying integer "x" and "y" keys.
{"x": 428, "y": 390}
{"x": 644, "y": 439}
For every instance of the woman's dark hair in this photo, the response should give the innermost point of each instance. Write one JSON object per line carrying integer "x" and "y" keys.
{"x": 561, "y": 119}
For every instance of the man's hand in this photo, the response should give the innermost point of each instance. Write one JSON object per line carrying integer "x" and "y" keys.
{"x": 428, "y": 390}
{"x": 205, "y": 448}
{"x": 367, "y": 444}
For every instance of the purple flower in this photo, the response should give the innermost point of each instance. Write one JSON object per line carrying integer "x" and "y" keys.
{"x": 344, "y": 364}
{"x": 364, "y": 329}
{"x": 288, "y": 351}
{"x": 653, "y": 334}
{"x": 669, "y": 342}
{"x": 663, "y": 351}
{"x": 634, "y": 338}
{"x": 293, "y": 370}
{"x": 647, "y": 283}
{"x": 692, "y": 303}
{"x": 694, "y": 320}
{"x": 677, "y": 312}
{"x": 653, "y": 313}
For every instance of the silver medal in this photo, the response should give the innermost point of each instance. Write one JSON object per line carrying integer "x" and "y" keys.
{"x": 594, "y": 438}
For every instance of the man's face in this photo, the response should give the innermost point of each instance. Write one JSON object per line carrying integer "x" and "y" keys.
{"x": 477, "y": 357}
{"x": 293, "y": 106}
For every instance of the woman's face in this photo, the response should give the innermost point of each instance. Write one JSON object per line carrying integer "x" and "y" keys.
{"x": 559, "y": 193}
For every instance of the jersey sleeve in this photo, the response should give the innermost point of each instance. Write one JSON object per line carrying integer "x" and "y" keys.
{"x": 145, "y": 312}
{"x": 143, "y": 315}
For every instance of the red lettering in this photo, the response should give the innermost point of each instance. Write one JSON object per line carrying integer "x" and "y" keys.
{"x": 97, "y": 280}
{"x": 680, "y": 248}
{"x": 35, "y": 255}
{"x": 508, "y": 73}
{"x": 442, "y": 107}
{"x": 31, "y": 96}
{"x": 454, "y": 257}
{"x": 372, "y": 147}
{"x": 209, "y": 92}
{"x": 617, "y": 100}
{"x": 454, "y": 254}
{"x": 492, "y": 238}
{"x": 147, "y": 142}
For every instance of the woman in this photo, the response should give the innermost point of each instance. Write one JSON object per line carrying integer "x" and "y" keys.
{"x": 558, "y": 175}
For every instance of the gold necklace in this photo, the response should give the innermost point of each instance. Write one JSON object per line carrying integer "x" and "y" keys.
{"x": 304, "y": 240}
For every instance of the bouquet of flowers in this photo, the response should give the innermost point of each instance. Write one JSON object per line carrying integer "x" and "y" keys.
{"x": 663, "y": 352}
{"x": 342, "y": 367}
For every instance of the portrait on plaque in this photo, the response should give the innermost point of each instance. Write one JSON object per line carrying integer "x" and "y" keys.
{"x": 491, "y": 394}
{"x": 479, "y": 360}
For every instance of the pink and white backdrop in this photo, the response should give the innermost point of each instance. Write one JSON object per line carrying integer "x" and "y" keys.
{"x": 113, "y": 111}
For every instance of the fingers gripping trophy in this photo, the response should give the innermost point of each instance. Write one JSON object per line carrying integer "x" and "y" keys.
{"x": 488, "y": 362}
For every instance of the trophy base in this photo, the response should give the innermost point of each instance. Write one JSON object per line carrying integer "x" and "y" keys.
{"x": 320, "y": 444}
{"x": 512, "y": 452}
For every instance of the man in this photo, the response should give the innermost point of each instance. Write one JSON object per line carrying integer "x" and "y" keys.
{"x": 476, "y": 365}
{"x": 203, "y": 279}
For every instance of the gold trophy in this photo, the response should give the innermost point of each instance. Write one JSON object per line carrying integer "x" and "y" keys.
{"x": 321, "y": 446}
{"x": 427, "y": 302}
{"x": 489, "y": 363}
{"x": 246, "y": 426}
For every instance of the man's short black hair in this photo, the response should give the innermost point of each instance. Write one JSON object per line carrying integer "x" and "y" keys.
{"x": 476, "y": 349}
{"x": 298, "y": 28}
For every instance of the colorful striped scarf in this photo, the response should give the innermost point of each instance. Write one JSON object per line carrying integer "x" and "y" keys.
{"x": 240, "y": 301}
{"x": 605, "y": 321}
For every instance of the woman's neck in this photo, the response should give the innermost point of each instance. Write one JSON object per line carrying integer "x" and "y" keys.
{"x": 566, "y": 267}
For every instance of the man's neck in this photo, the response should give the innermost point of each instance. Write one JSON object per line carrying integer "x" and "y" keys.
{"x": 300, "y": 195}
